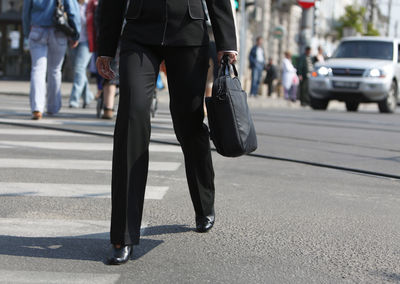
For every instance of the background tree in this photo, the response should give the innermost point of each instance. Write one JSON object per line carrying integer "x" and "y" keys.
{"x": 354, "y": 19}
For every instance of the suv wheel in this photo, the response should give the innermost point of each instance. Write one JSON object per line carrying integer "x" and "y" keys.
{"x": 318, "y": 104}
{"x": 352, "y": 106}
{"x": 389, "y": 104}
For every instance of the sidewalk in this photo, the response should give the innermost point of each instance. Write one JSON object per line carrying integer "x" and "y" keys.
{"x": 22, "y": 88}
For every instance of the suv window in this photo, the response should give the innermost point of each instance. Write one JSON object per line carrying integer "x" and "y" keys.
{"x": 365, "y": 49}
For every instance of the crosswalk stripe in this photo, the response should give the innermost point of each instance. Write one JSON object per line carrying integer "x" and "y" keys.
{"x": 44, "y": 132}
{"x": 36, "y": 132}
{"x": 38, "y": 277}
{"x": 57, "y": 228}
{"x": 79, "y": 146}
{"x": 68, "y": 121}
{"x": 77, "y": 164}
{"x": 70, "y": 190}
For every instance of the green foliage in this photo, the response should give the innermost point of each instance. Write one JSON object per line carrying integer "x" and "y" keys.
{"x": 371, "y": 31}
{"x": 354, "y": 18}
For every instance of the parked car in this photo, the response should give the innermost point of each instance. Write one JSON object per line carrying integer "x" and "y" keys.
{"x": 361, "y": 70}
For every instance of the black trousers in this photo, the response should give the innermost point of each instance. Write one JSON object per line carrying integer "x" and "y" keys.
{"x": 186, "y": 72}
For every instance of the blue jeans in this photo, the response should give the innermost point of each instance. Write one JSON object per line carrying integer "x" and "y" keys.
{"x": 80, "y": 87}
{"x": 256, "y": 73}
{"x": 47, "y": 47}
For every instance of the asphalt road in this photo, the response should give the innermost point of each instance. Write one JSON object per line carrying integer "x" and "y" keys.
{"x": 318, "y": 203}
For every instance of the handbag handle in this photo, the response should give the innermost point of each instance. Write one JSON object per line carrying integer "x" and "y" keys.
{"x": 226, "y": 67}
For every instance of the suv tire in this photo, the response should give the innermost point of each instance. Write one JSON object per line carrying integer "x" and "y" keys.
{"x": 318, "y": 104}
{"x": 352, "y": 106}
{"x": 389, "y": 104}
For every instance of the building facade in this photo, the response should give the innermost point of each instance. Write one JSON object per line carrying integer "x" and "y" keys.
{"x": 14, "y": 58}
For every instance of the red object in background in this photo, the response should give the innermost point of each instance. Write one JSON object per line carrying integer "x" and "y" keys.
{"x": 305, "y": 4}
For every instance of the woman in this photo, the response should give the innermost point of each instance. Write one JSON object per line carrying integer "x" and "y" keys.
{"x": 106, "y": 88}
{"x": 290, "y": 80}
{"x": 157, "y": 30}
{"x": 81, "y": 55}
{"x": 47, "y": 47}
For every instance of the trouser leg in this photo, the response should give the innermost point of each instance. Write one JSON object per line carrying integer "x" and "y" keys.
{"x": 80, "y": 85}
{"x": 304, "y": 97}
{"x": 57, "y": 48}
{"x": 187, "y": 73}
{"x": 270, "y": 86}
{"x": 138, "y": 73}
{"x": 38, "y": 49}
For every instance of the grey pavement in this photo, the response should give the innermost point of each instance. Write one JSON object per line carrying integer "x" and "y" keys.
{"x": 278, "y": 219}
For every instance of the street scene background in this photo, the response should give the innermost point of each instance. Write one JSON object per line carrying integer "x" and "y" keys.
{"x": 317, "y": 202}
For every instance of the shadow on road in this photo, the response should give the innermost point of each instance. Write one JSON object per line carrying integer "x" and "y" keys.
{"x": 67, "y": 248}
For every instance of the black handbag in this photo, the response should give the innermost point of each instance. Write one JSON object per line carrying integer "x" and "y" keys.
{"x": 61, "y": 20}
{"x": 231, "y": 126}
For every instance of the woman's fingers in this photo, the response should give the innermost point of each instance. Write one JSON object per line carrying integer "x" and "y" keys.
{"x": 104, "y": 68}
{"x": 232, "y": 56}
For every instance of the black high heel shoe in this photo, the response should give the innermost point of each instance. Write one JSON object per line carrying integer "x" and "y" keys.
{"x": 204, "y": 223}
{"x": 120, "y": 255}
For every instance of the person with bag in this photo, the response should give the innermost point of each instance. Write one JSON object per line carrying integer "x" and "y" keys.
{"x": 290, "y": 81}
{"x": 177, "y": 33}
{"x": 81, "y": 56}
{"x": 47, "y": 46}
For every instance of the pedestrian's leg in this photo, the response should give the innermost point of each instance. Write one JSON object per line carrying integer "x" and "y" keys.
{"x": 138, "y": 73}
{"x": 187, "y": 72}
{"x": 293, "y": 93}
{"x": 253, "y": 91}
{"x": 57, "y": 48}
{"x": 38, "y": 49}
{"x": 270, "y": 88}
{"x": 306, "y": 95}
{"x": 258, "y": 80}
{"x": 80, "y": 85}
{"x": 109, "y": 96}
{"x": 87, "y": 94}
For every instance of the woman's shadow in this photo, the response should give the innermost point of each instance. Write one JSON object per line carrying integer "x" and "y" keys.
{"x": 93, "y": 247}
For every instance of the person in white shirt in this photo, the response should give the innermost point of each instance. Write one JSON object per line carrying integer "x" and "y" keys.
{"x": 290, "y": 81}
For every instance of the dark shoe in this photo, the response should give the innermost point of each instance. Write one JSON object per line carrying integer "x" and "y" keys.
{"x": 36, "y": 115}
{"x": 204, "y": 223}
{"x": 108, "y": 113}
{"x": 120, "y": 255}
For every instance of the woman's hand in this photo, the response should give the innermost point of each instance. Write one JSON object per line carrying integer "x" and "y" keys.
{"x": 73, "y": 43}
{"x": 232, "y": 56}
{"x": 103, "y": 64}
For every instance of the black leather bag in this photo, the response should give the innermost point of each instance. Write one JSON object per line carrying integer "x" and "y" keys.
{"x": 231, "y": 126}
{"x": 61, "y": 20}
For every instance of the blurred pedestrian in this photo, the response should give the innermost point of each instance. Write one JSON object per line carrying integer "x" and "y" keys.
{"x": 181, "y": 40}
{"x": 304, "y": 70}
{"x": 257, "y": 62}
{"x": 271, "y": 75}
{"x": 47, "y": 46}
{"x": 290, "y": 80}
{"x": 81, "y": 57}
{"x": 320, "y": 57}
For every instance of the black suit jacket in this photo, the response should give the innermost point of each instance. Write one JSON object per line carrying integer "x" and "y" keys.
{"x": 165, "y": 22}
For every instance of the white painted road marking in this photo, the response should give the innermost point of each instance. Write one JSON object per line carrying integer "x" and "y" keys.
{"x": 57, "y": 228}
{"x": 36, "y": 132}
{"x": 77, "y": 164}
{"x": 70, "y": 190}
{"x": 17, "y": 276}
{"x": 78, "y": 146}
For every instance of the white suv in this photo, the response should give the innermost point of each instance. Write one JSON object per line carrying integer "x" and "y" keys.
{"x": 362, "y": 69}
